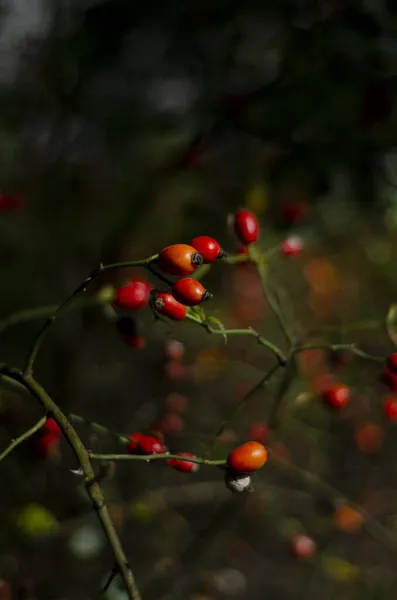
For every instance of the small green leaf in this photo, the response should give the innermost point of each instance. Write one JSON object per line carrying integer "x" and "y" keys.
{"x": 391, "y": 323}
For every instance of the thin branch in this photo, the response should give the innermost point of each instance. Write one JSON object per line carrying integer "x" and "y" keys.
{"x": 99, "y": 428}
{"x": 25, "y": 436}
{"x": 372, "y": 526}
{"x": 262, "y": 272}
{"x": 80, "y": 290}
{"x": 243, "y": 403}
{"x": 282, "y": 359}
{"x": 155, "y": 457}
{"x": 336, "y": 347}
{"x": 93, "y": 489}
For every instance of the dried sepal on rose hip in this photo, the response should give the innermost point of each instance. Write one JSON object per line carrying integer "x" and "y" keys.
{"x": 186, "y": 466}
{"x": 190, "y": 292}
{"x": 246, "y": 226}
{"x": 179, "y": 259}
{"x": 237, "y": 482}
{"x": 247, "y": 458}
{"x": 209, "y": 248}
{"x": 134, "y": 295}
{"x": 167, "y": 305}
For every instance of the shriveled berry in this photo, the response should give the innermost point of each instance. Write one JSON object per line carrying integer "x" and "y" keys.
{"x": 248, "y": 457}
{"x": 209, "y": 248}
{"x": 337, "y": 396}
{"x": 134, "y": 295}
{"x": 179, "y": 259}
{"x": 292, "y": 245}
{"x": 185, "y": 466}
{"x": 390, "y": 409}
{"x": 237, "y": 482}
{"x": 246, "y": 226}
{"x": 148, "y": 444}
{"x": 167, "y": 305}
{"x": 190, "y": 292}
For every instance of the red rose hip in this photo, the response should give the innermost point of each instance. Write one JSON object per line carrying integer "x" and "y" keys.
{"x": 248, "y": 457}
{"x": 189, "y": 291}
{"x": 209, "y": 248}
{"x": 148, "y": 444}
{"x": 133, "y": 443}
{"x": 337, "y": 396}
{"x": 185, "y": 466}
{"x": 167, "y": 305}
{"x": 134, "y": 295}
{"x": 390, "y": 409}
{"x": 179, "y": 259}
{"x": 246, "y": 226}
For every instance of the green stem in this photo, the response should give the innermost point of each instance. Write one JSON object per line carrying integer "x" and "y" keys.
{"x": 15, "y": 443}
{"x": 248, "y": 332}
{"x": 336, "y": 347}
{"x": 99, "y": 428}
{"x": 262, "y": 272}
{"x": 93, "y": 489}
{"x": 155, "y": 457}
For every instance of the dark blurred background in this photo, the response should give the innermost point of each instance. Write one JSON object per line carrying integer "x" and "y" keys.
{"x": 127, "y": 126}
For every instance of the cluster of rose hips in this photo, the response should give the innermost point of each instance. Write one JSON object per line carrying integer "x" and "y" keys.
{"x": 183, "y": 260}
{"x": 240, "y": 464}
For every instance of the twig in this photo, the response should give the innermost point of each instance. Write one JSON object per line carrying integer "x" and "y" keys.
{"x": 80, "y": 290}
{"x": 93, "y": 489}
{"x": 15, "y": 443}
{"x": 282, "y": 359}
{"x": 261, "y": 267}
{"x": 155, "y": 457}
{"x": 99, "y": 428}
{"x": 243, "y": 403}
{"x": 372, "y": 526}
{"x": 336, "y": 347}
